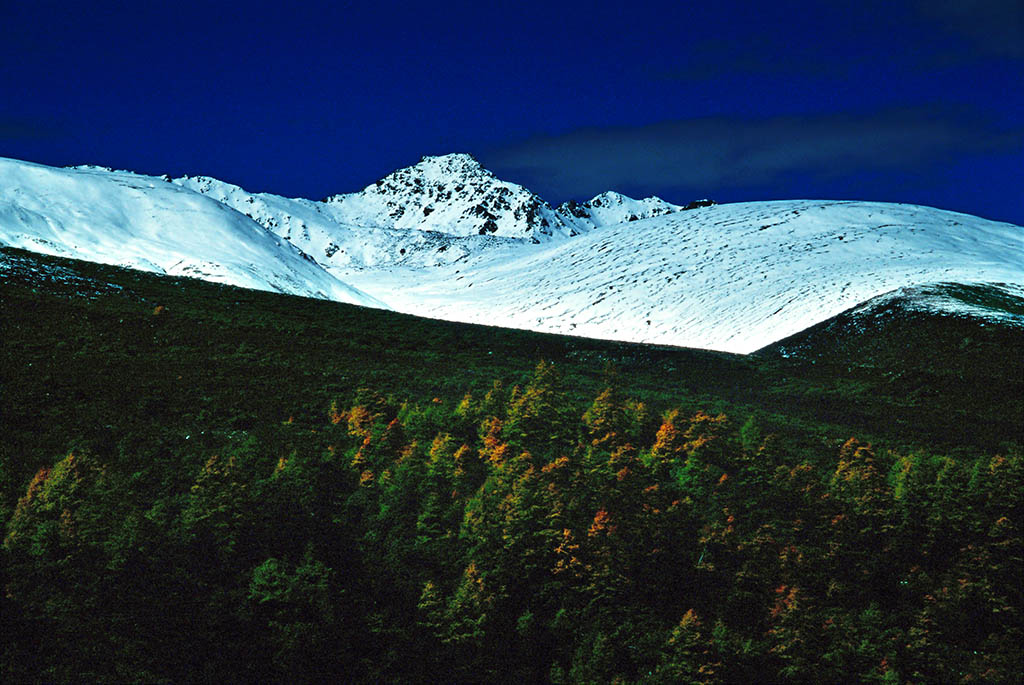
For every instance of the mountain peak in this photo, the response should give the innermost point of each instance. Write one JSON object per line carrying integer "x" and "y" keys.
{"x": 611, "y": 207}
{"x": 454, "y": 167}
{"x": 453, "y": 161}
{"x": 452, "y": 194}
{"x": 609, "y": 198}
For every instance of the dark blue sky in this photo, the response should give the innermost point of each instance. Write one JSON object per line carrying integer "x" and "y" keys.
{"x": 914, "y": 101}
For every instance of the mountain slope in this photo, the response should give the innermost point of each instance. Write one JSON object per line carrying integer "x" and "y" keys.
{"x": 943, "y": 345}
{"x": 863, "y": 334}
{"x": 211, "y": 345}
{"x": 438, "y": 211}
{"x": 610, "y": 208}
{"x": 147, "y": 223}
{"x": 154, "y": 455}
{"x": 727, "y": 277}
{"x": 446, "y": 239}
{"x": 314, "y": 228}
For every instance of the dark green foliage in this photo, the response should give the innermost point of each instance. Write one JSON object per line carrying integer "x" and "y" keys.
{"x": 947, "y": 376}
{"x": 308, "y": 492}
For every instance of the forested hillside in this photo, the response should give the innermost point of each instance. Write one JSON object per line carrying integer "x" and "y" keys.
{"x": 206, "y": 483}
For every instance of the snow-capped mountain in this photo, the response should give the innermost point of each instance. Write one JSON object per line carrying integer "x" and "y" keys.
{"x": 727, "y": 277}
{"x": 456, "y": 207}
{"x": 610, "y": 208}
{"x": 451, "y": 194}
{"x": 314, "y": 228}
{"x": 146, "y": 223}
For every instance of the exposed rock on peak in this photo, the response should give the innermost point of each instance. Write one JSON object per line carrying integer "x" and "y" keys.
{"x": 454, "y": 162}
{"x": 451, "y": 194}
{"x": 611, "y": 207}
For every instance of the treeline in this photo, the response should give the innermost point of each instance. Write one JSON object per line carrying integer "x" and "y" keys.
{"x": 515, "y": 536}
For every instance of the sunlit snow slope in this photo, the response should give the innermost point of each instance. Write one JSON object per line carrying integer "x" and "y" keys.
{"x": 314, "y": 227}
{"x": 727, "y": 277}
{"x": 147, "y": 223}
{"x": 445, "y": 238}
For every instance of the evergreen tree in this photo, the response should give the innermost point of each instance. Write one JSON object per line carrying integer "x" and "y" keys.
{"x": 540, "y": 419}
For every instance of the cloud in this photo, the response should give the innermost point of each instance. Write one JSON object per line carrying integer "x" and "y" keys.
{"x": 709, "y": 154}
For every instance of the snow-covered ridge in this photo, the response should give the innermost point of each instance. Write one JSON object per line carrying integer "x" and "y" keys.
{"x": 958, "y": 299}
{"x": 451, "y": 194}
{"x": 146, "y": 223}
{"x": 456, "y": 207}
{"x": 610, "y": 208}
{"x": 727, "y": 277}
{"x": 853, "y": 333}
{"x": 314, "y": 228}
